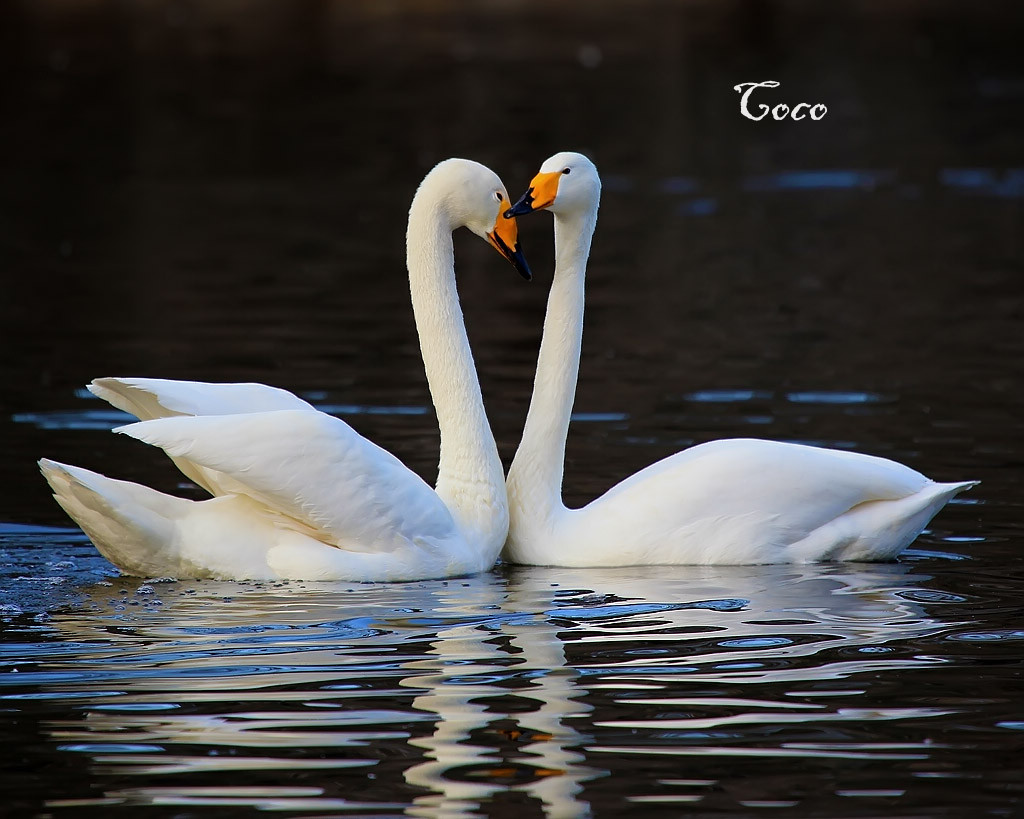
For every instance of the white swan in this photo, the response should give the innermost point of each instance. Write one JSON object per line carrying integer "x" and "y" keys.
{"x": 731, "y": 501}
{"x": 298, "y": 493}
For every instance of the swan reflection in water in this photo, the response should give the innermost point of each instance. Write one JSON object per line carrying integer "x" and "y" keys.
{"x": 434, "y": 698}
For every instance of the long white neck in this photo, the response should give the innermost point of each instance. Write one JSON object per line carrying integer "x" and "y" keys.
{"x": 470, "y": 479}
{"x": 535, "y": 478}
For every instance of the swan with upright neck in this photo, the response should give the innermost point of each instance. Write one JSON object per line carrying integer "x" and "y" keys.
{"x": 299, "y": 494}
{"x": 737, "y": 501}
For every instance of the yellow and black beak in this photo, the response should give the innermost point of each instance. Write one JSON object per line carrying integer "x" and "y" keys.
{"x": 541, "y": 194}
{"x": 505, "y": 238}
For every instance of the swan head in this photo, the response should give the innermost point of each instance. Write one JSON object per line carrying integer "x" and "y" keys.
{"x": 566, "y": 183}
{"x": 472, "y": 196}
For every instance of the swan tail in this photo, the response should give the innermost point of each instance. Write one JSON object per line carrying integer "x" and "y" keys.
{"x": 133, "y": 526}
{"x": 877, "y": 530}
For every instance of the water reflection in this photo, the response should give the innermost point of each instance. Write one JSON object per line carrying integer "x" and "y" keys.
{"x": 477, "y": 750}
{"x": 837, "y": 179}
{"x": 985, "y": 181}
{"x": 535, "y": 681}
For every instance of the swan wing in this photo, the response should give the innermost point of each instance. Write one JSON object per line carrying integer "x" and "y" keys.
{"x": 745, "y": 500}
{"x": 748, "y": 471}
{"x": 151, "y": 398}
{"x": 313, "y": 471}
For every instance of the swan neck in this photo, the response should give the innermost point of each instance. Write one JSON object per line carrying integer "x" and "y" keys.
{"x": 535, "y": 478}
{"x": 470, "y": 478}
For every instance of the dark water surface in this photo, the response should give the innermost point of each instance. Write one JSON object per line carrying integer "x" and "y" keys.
{"x": 220, "y": 194}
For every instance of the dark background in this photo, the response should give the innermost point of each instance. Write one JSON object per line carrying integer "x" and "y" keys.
{"x": 218, "y": 191}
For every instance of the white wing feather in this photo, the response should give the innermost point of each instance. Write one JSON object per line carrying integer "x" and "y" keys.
{"x": 314, "y": 469}
{"x": 742, "y": 500}
{"x": 148, "y": 398}
{"x": 742, "y": 474}
{"x": 151, "y": 398}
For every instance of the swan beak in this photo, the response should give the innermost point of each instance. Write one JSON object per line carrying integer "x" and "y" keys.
{"x": 505, "y": 238}
{"x": 541, "y": 194}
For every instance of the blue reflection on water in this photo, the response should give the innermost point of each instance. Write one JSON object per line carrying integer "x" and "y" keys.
{"x": 727, "y": 396}
{"x": 1007, "y": 184}
{"x": 704, "y": 206}
{"x": 1000, "y": 183}
{"x": 678, "y": 185}
{"x": 75, "y": 419}
{"x": 599, "y": 417}
{"x": 106, "y": 419}
{"x": 529, "y": 680}
{"x": 833, "y": 397}
{"x": 359, "y": 409}
{"x": 818, "y": 180}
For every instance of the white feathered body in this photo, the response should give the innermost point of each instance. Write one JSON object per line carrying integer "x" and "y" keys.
{"x": 300, "y": 494}
{"x": 737, "y": 501}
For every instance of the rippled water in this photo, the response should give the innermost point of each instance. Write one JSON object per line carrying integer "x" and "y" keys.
{"x": 220, "y": 195}
{"x": 574, "y": 689}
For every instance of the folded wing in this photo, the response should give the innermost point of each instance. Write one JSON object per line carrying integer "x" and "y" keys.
{"x": 150, "y": 398}
{"x": 753, "y": 495}
{"x": 312, "y": 469}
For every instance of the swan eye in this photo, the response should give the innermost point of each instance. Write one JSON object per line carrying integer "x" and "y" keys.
{"x": 498, "y": 196}
{"x": 566, "y": 170}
